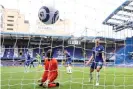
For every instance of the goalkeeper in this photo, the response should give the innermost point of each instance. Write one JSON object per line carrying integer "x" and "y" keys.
{"x": 38, "y": 58}
{"x": 50, "y": 71}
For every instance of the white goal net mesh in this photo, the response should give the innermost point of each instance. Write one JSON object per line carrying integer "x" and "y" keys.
{"x": 22, "y": 34}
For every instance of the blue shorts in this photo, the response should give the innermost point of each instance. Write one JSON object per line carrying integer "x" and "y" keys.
{"x": 95, "y": 64}
{"x": 27, "y": 63}
{"x": 68, "y": 62}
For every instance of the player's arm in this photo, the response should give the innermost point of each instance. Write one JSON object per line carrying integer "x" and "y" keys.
{"x": 103, "y": 57}
{"x": 90, "y": 59}
{"x": 55, "y": 65}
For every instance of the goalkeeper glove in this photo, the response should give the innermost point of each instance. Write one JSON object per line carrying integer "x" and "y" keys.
{"x": 45, "y": 84}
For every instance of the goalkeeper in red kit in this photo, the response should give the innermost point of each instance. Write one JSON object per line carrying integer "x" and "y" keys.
{"x": 50, "y": 71}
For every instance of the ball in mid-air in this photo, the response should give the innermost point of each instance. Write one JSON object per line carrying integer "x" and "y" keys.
{"x": 48, "y": 15}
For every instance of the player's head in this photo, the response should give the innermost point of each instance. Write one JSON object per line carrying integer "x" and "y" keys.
{"x": 49, "y": 54}
{"x": 65, "y": 51}
{"x": 43, "y": 53}
{"x": 97, "y": 42}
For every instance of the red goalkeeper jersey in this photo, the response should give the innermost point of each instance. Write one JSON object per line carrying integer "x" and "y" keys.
{"x": 51, "y": 70}
{"x": 51, "y": 65}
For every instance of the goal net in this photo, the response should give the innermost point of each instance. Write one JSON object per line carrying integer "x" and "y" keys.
{"x": 17, "y": 44}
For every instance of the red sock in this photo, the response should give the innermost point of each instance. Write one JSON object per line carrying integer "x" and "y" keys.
{"x": 51, "y": 85}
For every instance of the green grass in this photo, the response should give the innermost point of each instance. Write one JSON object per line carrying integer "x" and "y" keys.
{"x": 110, "y": 78}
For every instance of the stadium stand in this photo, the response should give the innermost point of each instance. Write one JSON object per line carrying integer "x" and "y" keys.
{"x": 122, "y": 55}
{"x": 121, "y": 18}
{"x": 16, "y": 50}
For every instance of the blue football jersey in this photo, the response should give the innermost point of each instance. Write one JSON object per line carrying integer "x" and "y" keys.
{"x": 97, "y": 53}
{"x": 68, "y": 56}
{"x": 28, "y": 57}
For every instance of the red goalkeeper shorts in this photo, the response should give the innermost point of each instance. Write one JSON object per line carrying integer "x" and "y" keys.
{"x": 49, "y": 76}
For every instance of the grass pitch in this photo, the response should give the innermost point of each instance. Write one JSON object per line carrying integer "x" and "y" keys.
{"x": 110, "y": 78}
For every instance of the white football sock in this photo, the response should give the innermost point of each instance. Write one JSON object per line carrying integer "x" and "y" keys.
{"x": 90, "y": 75}
{"x": 25, "y": 68}
{"x": 90, "y": 79}
{"x": 67, "y": 69}
{"x": 70, "y": 69}
{"x": 97, "y": 77}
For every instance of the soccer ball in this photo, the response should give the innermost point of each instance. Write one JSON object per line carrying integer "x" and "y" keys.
{"x": 48, "y": 15}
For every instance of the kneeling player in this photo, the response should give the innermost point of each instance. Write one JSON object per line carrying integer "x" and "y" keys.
{"x": 50, "y": 72}
{"x": 68, "y": 61}
{"x": 98, "y": 56}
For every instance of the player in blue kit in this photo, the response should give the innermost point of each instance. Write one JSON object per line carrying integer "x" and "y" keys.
{"x": 98, "y": 60}
{"x": 28, "y": 62}
{"x": 68, "y": 61}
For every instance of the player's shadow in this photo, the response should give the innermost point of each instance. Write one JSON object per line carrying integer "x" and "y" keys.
{"x": 40, "y": 87}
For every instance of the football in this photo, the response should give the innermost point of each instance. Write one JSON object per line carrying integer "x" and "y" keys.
{"x": 48, "y": 15}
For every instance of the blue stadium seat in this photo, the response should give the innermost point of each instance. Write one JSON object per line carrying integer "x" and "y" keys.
{"x": 122, "y": 55}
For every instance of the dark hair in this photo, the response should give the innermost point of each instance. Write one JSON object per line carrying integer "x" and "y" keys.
{"x": 49, "y": 53}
